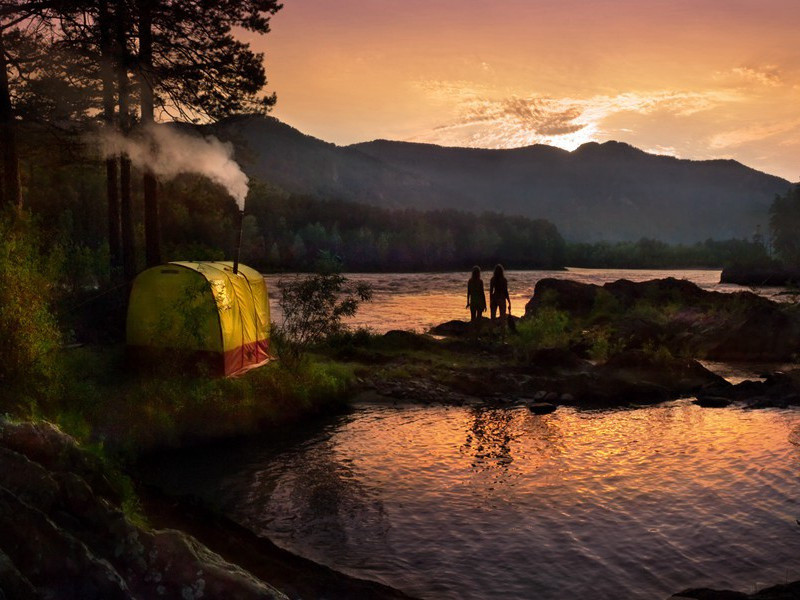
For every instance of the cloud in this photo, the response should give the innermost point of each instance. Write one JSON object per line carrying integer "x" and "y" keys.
{"x": 755, "y": 133}
{"x": 483, "y": 121}
{"x": 767, "y": 75}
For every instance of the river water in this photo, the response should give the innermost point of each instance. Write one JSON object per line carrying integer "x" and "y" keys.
{"x": 467, "y": 503}
{"x": 418, "y": 301}
{"x": 450, "y": 502}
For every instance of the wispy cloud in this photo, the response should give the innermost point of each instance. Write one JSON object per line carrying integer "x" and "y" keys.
{"x": 755, "y": 133}
{"x": 766, "y": 75}
{"x": 513, "y": 121}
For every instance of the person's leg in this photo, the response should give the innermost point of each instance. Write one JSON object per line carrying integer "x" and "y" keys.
{"x": 502, "y": 308}
{"x": 493, "y": 305}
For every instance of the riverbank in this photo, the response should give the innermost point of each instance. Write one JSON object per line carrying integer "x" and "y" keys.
{"x": 580, "y": 345}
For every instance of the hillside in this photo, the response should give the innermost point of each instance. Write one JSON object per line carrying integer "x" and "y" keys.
{"x": 610, "y": 191}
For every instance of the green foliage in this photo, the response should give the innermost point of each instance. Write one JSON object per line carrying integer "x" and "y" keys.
{"x": 548, "y": 328}
{"x": 603, "y": 343}
{"x": 314, "y": 306}
{"x": 129, "y": 413}
{"x": 785, "y": 224}
{"x": 660, "y": 354}
{"x": 28, "y": 328}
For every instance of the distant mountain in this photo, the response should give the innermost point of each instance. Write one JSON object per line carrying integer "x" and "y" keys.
{"x": 610, "y": 191}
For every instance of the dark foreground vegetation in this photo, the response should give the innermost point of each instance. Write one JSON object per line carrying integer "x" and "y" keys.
{"x": 782, "y": 266}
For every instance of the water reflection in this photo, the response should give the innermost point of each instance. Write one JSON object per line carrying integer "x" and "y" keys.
{"x": 456, "y": 502}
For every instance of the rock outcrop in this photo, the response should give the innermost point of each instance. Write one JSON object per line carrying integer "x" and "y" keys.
{"x": 680, "y": 316}
{"x": 65, "y": 535}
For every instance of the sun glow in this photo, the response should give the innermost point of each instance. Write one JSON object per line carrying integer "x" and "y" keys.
{"x": 705, "y": 80}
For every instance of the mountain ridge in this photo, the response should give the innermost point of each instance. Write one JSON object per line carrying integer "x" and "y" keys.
{"x": 599, "y": 191}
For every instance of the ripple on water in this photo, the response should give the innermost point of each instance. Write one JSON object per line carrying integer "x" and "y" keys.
{"x": 451, "y": 502}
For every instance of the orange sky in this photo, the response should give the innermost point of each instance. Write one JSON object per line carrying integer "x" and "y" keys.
{"x": 696, "y": 79}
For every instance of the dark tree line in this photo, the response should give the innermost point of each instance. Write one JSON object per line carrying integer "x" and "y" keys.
{"x": 118, "y": 65}
{"x": 785, "y": 227}
{"x": 653, "y": 254}
{"x": 289, "y": 232}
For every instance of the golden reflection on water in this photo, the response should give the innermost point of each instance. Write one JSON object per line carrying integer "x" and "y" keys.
{"x": 459, "y": 503}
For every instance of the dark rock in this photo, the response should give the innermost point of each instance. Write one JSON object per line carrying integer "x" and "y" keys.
{"x": 564, "y": 294}
{"x": 542, "y": 408}
{"x": 741, "y": 326}
{"x": 551, "y": 397}
{"x": 789, "y": 591}
{"x": 712, "y": 402}
{"x": 13, "y": 585}
{"x": 455, "y": 327}
{"x": 558, "y": 358}
{"x": 63, "y": 538}
{"x": 397, "y": 338}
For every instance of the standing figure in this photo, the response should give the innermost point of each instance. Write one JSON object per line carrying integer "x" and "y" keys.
{"x": 476, "y": 296}
{"x": 498, "y": 295}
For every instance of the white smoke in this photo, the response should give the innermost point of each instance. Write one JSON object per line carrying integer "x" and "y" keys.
{"x": 168, "y": 152}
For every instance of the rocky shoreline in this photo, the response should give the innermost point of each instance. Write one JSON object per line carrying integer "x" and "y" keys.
{"x": 66, "y": 535}
{"x": 69, "y": 531}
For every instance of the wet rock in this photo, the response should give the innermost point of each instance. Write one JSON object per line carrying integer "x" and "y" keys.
{"x": 789, "y": 591}
{"x": 778, "y": 390}
{"x": 65, "y": 536}
{"x": 542, "y": 408}
{"x": 712, "y": 402}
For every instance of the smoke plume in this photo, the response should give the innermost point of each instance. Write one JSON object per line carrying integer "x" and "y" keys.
{"x": 168, "y": 152}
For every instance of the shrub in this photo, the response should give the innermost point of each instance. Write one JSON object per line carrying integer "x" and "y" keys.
{"x": 314, "y": 306}
{"x": 28, "y": 330}
{"x": 548, "y": 328}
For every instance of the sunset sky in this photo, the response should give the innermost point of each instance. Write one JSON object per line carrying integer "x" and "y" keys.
{"x": 690, "y": 78}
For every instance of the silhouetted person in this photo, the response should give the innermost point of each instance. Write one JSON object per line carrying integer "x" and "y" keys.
{"x": 498, "y": 295}
{"x": 476, "y": 296}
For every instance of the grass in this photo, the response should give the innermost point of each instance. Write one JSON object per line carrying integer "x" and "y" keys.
{"x": 128, "y": 413}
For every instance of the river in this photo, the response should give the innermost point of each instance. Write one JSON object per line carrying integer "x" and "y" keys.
{"x": 473, "y": 503}
{"x": 418, "y": 301}
{"x": 449, "y": 502}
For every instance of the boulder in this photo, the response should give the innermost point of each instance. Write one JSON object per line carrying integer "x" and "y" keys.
{"x": 64, "y": 534}
{"x": 542, "y": 408}
{"x": 712, "y": 401}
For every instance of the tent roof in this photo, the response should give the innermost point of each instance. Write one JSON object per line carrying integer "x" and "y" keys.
{"x": 217, "y": 269}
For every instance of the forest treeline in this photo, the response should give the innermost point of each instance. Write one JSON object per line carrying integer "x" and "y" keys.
{"x": 284, "y": 232}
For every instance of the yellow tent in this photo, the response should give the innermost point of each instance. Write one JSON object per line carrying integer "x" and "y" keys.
{"x": 203, "y": 310}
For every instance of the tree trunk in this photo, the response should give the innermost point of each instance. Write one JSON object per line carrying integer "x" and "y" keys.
{"x": 109, "y": 102}
{"x": 11, "y": 188}
{"x": 145, "y": 72}
{"x": 126, "y": 201}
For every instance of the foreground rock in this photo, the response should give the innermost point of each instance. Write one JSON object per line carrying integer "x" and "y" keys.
{"x": 789, "y": 591}
{"x": 679, "y": 316}
{"x": 65, "y": 535}
{"x": 778, "y": 390}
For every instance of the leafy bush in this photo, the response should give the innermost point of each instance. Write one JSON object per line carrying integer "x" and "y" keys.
{"x": 314, "y": 307}
{"x": 28, "y": 329}
{"x": 548, "y": 328}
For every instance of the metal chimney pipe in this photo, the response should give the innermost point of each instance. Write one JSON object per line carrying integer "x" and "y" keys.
{"x": 238, "y": 244}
